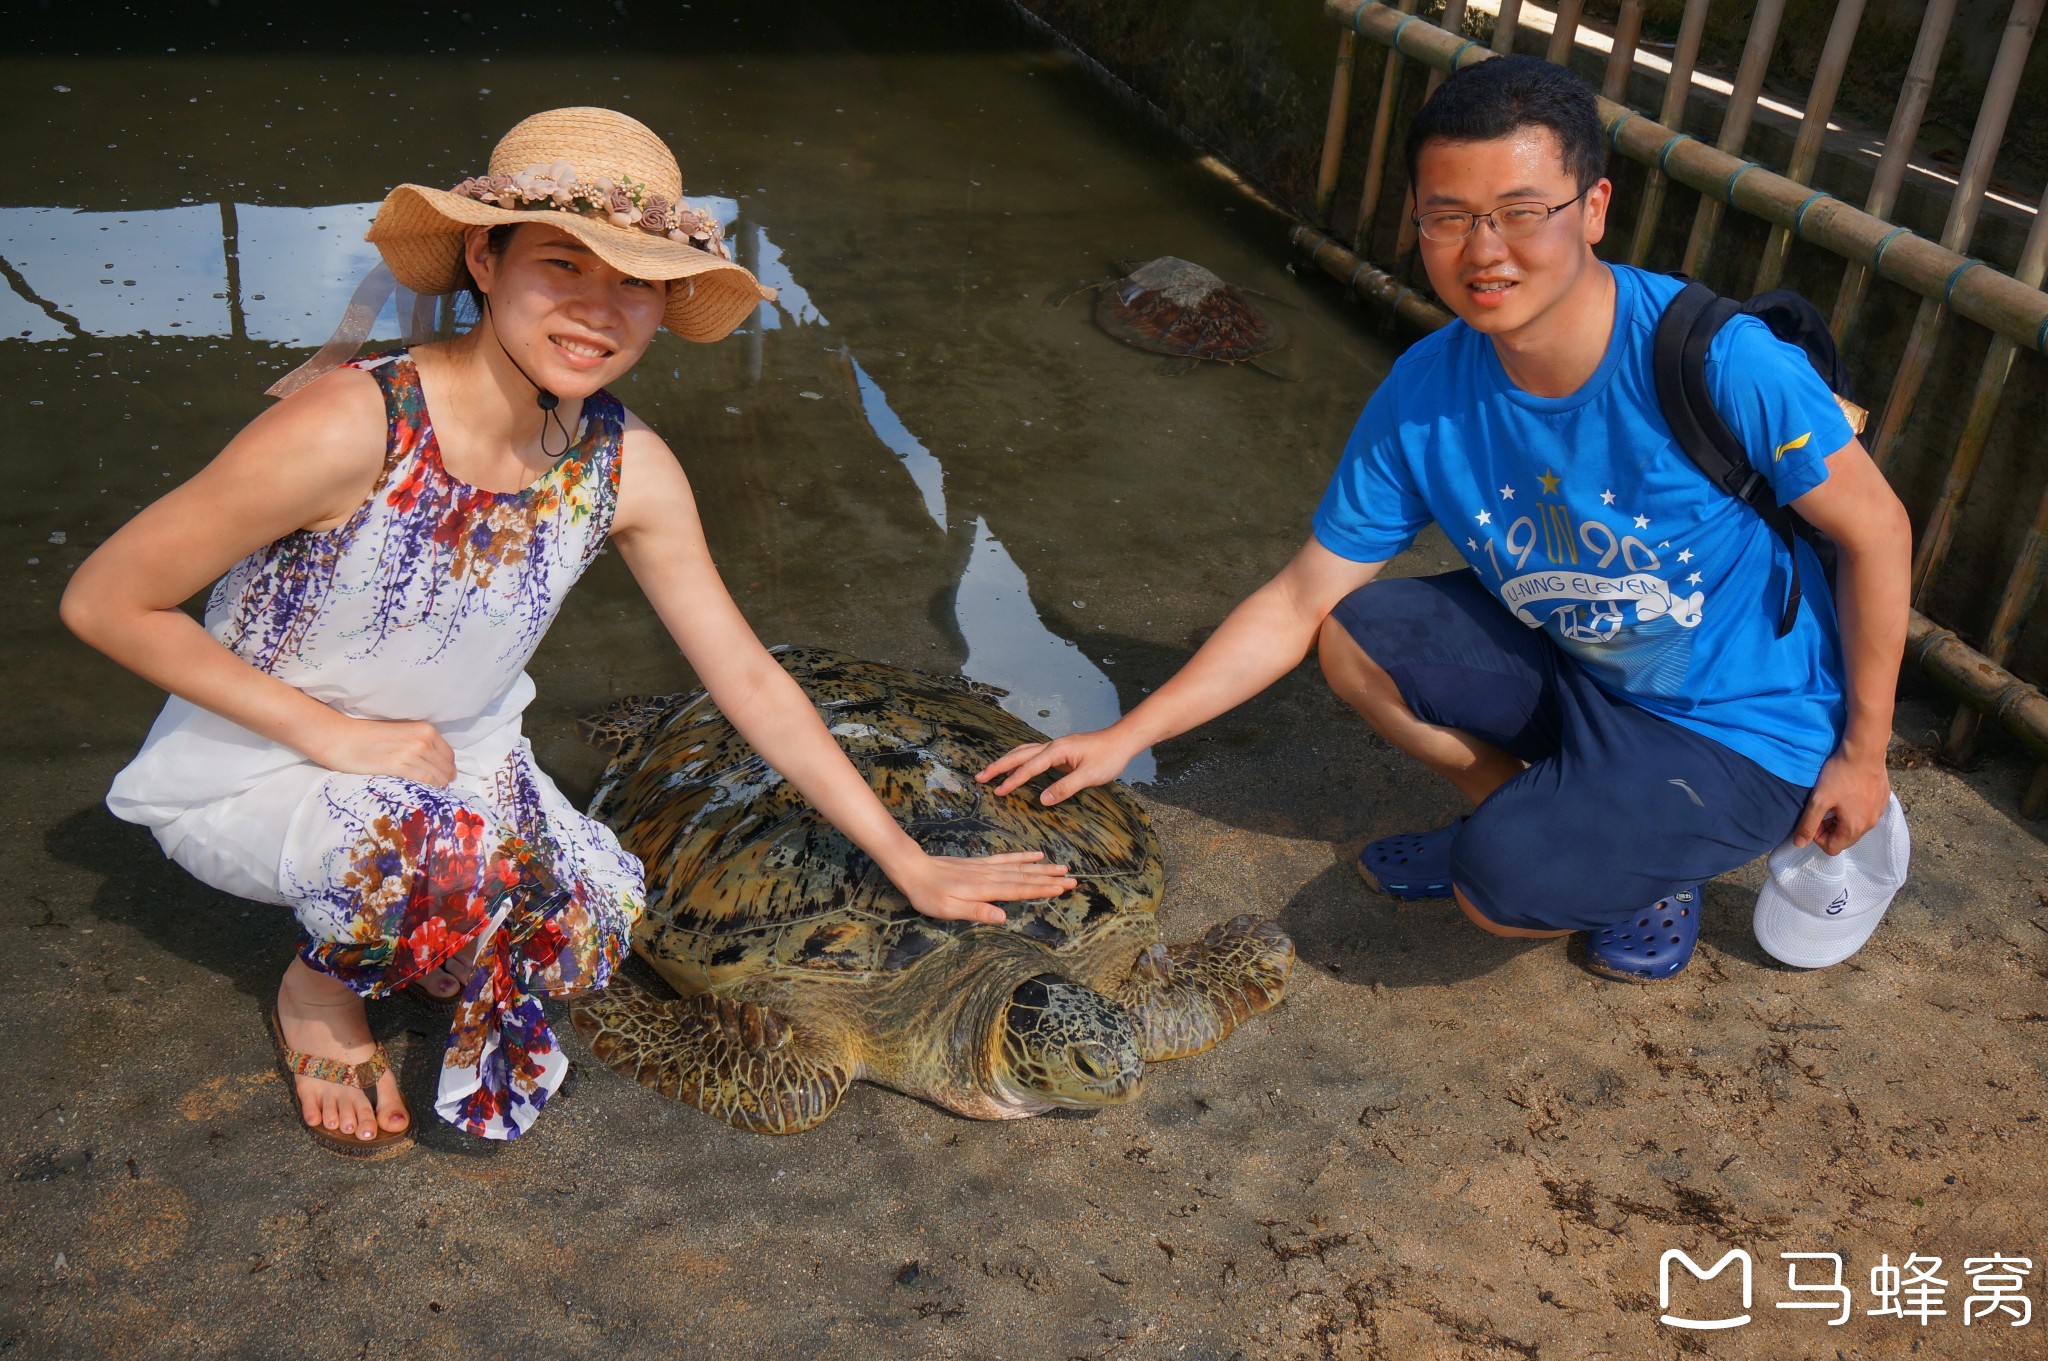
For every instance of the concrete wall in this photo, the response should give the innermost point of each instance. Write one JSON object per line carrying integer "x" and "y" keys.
{"x": 1250, "y": 80}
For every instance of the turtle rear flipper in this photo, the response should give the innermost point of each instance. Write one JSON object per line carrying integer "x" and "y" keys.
{"x": 1185, "y": 998}
{"x": 745, "y": 1063}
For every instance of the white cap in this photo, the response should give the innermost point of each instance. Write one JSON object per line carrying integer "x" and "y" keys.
{"x": 1818, "y": 909}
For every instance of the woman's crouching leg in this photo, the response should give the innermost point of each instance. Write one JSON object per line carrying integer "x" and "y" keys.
{"x": 390, "y": 878}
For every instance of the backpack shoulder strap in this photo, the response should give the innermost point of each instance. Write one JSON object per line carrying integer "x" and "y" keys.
{"x": 1678, "y": 361}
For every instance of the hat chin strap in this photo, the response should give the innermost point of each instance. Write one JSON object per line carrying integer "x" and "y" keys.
{"x": 547, "y": 401}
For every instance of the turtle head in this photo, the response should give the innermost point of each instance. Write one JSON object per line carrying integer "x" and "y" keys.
{"x": 1063, "y": 1044}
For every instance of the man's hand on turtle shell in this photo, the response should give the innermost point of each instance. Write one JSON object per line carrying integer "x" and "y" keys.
{"x": 962, "y": 888}
{"x": 1090, "y": 758}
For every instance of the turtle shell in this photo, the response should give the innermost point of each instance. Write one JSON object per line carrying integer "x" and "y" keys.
{"x": 744, "y": 877}
{"x": 1172, "y": 306}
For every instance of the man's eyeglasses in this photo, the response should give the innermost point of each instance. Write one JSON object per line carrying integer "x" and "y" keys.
{"x": 1510, "y": 220}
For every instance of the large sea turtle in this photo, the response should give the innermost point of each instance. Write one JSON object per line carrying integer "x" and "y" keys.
{"x": 1174, "y": 307}
{"x": 801, "y": 969}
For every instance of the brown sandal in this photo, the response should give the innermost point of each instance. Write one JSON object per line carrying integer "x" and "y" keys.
{"x": 387, "y": 1143}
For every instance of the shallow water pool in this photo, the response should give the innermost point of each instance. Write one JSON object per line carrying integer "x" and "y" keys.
{"x": 909, "y": 456}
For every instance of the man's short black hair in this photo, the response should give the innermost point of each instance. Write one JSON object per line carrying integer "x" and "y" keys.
{"x": 1493, "y": 99}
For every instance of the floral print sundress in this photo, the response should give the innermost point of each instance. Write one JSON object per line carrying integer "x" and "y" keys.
{"x": 427, "y": 605}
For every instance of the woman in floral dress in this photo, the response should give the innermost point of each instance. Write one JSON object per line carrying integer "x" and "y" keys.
{"x": 391, "y": 542}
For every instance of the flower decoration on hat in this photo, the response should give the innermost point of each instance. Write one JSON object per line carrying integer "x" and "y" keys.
{"x": 620, "y": 203}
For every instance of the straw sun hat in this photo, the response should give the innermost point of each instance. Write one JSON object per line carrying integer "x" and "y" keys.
{"x": 604, "y": 178}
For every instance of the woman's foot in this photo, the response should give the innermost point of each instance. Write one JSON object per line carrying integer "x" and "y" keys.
{"x": 445, "y": 982}
{"x": 320, "y": 1016}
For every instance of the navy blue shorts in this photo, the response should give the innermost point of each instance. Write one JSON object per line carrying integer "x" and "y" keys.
{"x": 1618, "y": 807}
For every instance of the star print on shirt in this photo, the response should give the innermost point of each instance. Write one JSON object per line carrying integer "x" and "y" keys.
{"x": 1607, "y": 498}
{"x": 1507, "y": 493}
{"x": 1685, "y": 555}
{"x": 1472, "y": 544}
{"x": 1484, "y": 517}
{"x": 1549, "y": 481}
{"x": 1693, "y": 580}
{"x": 1642, "y": 522}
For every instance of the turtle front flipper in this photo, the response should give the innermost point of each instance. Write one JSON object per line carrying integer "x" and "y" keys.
{"x": 623, "y": 721}
{"x": 1185, "y": 998}
{"x": 743, "y": 1062}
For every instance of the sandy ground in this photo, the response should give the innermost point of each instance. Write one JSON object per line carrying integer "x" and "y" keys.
{"x": 1440, "y": 1145}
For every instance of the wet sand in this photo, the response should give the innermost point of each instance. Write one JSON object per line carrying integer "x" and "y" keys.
{"x": 1441, "y": 1145}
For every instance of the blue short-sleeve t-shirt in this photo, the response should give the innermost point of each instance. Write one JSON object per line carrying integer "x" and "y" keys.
{"x": 1586, "y": 519}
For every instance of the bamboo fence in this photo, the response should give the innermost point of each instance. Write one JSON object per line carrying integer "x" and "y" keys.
{"x": 2012, "y": 307}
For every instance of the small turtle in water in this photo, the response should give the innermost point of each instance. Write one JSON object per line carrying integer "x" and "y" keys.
{"x": 802, "y": 969}
{"x": 1174, "y": 307}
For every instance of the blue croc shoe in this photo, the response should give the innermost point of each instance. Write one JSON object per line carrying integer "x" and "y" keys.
{"x": 1413, "y": 866}
{"x": 1651, "y": 946}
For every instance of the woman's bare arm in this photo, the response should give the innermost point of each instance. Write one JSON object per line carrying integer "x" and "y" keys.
{"x": 658, "y": 533}
{"x": 306, "y": 463}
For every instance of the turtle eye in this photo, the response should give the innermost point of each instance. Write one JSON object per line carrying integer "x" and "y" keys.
{"x": 1091, "y": 1059}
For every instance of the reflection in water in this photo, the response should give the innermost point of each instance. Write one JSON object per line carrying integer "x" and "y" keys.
{"x": 790, "y": 296}
{"x": 253, "y": 271}
{"x": 924, "y": 469}
{"x": 1052, "y": 683}
{"x": 112, "y": 274}
{"x": 298, "y": 267}
{"x": 284, "y": 274}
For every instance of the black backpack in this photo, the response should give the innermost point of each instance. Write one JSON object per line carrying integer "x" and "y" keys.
{"x": 1679, "y": 361}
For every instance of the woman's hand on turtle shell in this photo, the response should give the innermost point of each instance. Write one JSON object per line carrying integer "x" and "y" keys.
{"x": 1089, "y": 758}
{"x": 376, "y": 746}
{"x": 963, "y": 888}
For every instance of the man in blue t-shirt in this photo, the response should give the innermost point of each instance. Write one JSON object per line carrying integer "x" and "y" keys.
{"x": 1606, "y": 682}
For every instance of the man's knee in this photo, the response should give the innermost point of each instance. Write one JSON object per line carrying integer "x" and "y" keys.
{"x": 1506, "y": 874}
{"x": 1546, "y": 863}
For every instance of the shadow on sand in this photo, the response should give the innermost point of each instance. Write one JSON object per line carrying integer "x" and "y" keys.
{"x": 249, "y": 944}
